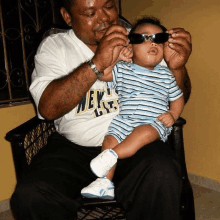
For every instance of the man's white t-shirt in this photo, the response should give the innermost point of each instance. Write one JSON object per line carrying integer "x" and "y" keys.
{"x": 57, "y": 56}
{"x": 87, "y": 124}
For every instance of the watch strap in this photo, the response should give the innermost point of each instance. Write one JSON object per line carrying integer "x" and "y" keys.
{"x": 93, "y": 67}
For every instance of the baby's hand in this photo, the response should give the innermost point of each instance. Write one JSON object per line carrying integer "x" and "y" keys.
{"x": 166, "y": 118}
{"x": 126, "y": 54}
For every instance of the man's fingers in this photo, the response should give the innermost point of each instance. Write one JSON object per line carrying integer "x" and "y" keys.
{"x": 115, "y": 35}
{"x": 116, "y": 28}
{"x": 106, "y": 54}
{"x": 116, "y": 42}
{"x": 180, "y": 33}
{"x": 180, "y": 45}
{"x": 180, "y": 41}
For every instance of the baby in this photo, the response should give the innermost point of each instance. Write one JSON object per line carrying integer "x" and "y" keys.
{"x": 150, "y": 101}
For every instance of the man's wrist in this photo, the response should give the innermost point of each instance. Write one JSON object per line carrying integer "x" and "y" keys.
{"x": 178, "y": 70}
{"x": 97, "y": 63}
{"x": 95, "y": 69}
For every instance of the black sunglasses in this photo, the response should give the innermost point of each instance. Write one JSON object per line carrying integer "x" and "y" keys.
{"x": 159, "y": 38}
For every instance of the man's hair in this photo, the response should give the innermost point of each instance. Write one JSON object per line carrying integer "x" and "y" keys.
{"x": 66, "y": 4}
{"x": 148, "y": 20}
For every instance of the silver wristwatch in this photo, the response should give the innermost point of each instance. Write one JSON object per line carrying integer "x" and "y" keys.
{"x": 93, "y": 67}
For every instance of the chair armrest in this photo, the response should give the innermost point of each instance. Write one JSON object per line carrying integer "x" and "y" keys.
{"x": 19, "y": 133}
{"x": 26, "y": 140}
{"x": 177, "y": 144}
{"x": 180, "y": 122}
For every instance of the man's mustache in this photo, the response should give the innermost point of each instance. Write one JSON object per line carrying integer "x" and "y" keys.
{"x": 102, "y": 26}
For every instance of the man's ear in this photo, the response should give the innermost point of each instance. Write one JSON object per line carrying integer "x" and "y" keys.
{"x": 66, "y": 16}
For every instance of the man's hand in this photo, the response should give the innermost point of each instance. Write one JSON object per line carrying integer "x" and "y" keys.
{"x": 114, "y": 38}
{"x": 178, "y": 48}
{"x": 167, "y": 119}
{"x": 119, "y": 53}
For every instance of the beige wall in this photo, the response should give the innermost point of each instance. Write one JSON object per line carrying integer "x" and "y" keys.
{"x": 10, "y": 118}
{"x": 202, "y": 20}
{"x": 201, "y": 134}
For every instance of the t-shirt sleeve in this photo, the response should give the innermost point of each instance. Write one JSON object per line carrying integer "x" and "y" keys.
{"x": 174, "y": 91}
{"x": 49, "y": 65}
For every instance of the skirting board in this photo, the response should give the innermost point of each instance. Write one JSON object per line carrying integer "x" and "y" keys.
{"x": 4, "y": 205}
{"x": 205, "y": 182}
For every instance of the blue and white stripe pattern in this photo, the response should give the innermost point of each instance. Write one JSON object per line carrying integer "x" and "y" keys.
{"x": 143, "y": 95}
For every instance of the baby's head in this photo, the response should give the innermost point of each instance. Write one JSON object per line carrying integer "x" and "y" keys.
{"x": 148, "y": 47}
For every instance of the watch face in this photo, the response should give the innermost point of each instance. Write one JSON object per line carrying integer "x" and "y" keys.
{"x": 99, "y": 74}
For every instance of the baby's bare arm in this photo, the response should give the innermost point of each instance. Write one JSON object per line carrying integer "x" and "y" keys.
{"x": 176, "y": 108}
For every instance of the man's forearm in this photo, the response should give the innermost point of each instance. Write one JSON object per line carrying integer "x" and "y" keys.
{"x": 63, "y": 94}
{"x": 183, "y": 81}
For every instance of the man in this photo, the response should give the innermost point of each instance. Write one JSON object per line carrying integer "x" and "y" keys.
{"x": 66, "y": 89}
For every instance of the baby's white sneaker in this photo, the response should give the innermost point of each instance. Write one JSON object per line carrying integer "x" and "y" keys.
{"x": 101, "y": 164}
{"x": 101, "y": 188}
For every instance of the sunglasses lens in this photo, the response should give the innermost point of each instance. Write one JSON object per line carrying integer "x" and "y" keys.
{"x": 160, "y": 38}
{"x": 136, "y": 38}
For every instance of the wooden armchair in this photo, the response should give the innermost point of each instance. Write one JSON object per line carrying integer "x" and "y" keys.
{"x": 28, "y": 138}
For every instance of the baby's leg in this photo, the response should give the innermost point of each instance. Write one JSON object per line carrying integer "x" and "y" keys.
{"x": 140, "y": 136}
{"x": 109, "y": 143}
{"x": 102, "y": 187}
